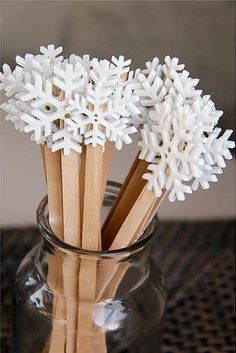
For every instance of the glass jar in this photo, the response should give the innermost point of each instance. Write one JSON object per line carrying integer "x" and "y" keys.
{"x": 126, "y": 315}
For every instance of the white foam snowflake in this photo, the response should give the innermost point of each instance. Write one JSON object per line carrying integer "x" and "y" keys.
{"x": 92, "y": 98}
{"x": 101, "y": 113}
{"x": 183, "y": 147}
{"x": 165, "y": 142}
{"x": 28, "y": 93}
{"x": 216, "y": 150}
{"x": 158, "y": 82}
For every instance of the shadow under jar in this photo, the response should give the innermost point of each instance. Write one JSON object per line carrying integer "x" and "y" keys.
{"x": 127, "y": 314}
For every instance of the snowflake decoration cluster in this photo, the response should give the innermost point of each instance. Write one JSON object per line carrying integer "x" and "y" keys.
{"x": 66, "y": 103}
{"x": 69, "y": 102}
{"x": 179, "y": 134}
{"x": 159, "y": 82}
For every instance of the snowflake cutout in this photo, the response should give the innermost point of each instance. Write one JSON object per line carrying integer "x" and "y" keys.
{"x": 99, "y": 115}
{"x": 30, "y": 95}
{"x": 165, "y": 142}
{"x": 183, "y": 154}
{"x": 158, "y": 82}
{"x": 90, "y": 98}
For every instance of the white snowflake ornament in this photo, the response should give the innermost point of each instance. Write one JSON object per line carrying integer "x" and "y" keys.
{"x": 158, "y": 82}
{"x": 182, "y": 155}
{"x": 167, "y": 143}
{"x": 216, "y": 150}
{"x": 179, "y": 137}
{"x": 101, "y": 113}
{"x": 92, "y": 99}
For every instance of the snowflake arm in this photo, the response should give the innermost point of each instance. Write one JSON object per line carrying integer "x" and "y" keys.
{"x": 148, "y": 144}
{"x": 66, "y": 141}
{"x": 52, "y": 53}
{"x": 69, "y": 78}
{"x": 42, "y": 63}
{"x": 4, "y": 76}
{"x": 111, "y": 73}
{"x": 14, "y": 110}
{"x": 206, "y": 116}
{"x": 207, "y": 177}
{"x": 119, "y": 132}
{"x": 218, "y": 149}
{"x": 152, "y": 91}
{"x": 153, "y": 65}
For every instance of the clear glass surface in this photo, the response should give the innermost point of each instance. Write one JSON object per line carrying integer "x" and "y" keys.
{"x": 127, "y": 315}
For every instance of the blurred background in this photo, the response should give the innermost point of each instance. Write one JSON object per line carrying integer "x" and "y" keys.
{"x": 200, "y": 33}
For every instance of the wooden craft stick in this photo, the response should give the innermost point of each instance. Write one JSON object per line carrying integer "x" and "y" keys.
{"x": 135, "y": 223}
{"x": 128, "y": 230}
{"x": 53, "y": 173}
{"x": 109, "y": 149}
{"x": 58, "y": 336}
{"x": 133, "y": 186}
{"x": 71, "y": 198}
{"x": 110, "y": 278}
{"x": 92, "y": 198}
{"x": 72, "y": 236}
{"x": 42, "y": 149}
{"x": 132, "y": 222}
{"x": 54, "y": 187}
{"x": 122, "y": 189}
{"x": 81, "y": 186}
{"x": 91, "y": 240}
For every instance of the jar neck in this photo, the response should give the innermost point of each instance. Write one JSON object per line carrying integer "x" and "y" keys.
{"x": 116, "y": 273}
{"x": 125, "y": 255}
{"x": 132, "y": 259}
{"x": 60, "y": 248}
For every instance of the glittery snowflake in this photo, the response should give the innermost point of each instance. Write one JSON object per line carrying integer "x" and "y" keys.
{"x": 69, "y": 102}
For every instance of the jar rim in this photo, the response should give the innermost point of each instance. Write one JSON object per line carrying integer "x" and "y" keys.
{"x": 51, "y": 237}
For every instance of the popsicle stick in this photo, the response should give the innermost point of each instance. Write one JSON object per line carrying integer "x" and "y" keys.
{"x": 109, "y": 149}
{"x": 127, "y": 232}
{"x": 54, "y": 187}
{"x": 110, "y": 278}
{"x": 132, "y": 221}
{"x": 58, "y": 336}
{"x": 42, "y": 149}
{"x": 72, "y": 235}
{"x": 71, "y": 198}
{"x": 137, "y": 214}
{"x": 135, "y": 223}
{"x": 55, "y": 205}
{"x": 122, "y": 189}
{"x": 91, "y": 240}
{"x": 126, "y": 200}
{"x": 81, "y": 185}
{"x": 92, "y": 198}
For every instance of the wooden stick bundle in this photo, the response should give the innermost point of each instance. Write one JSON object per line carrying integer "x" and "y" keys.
{"x": 128, "y": 194}
{"x": 110, "y": 278}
